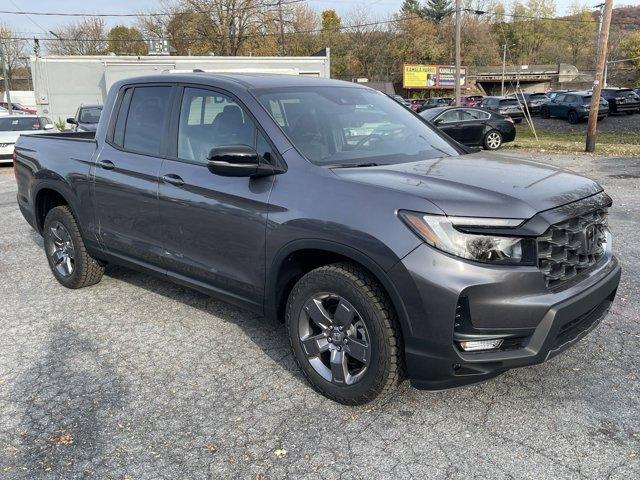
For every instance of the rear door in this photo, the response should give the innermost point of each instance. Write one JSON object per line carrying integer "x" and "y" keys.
{"x": 126, "y": 175}
{"x": 473, "y": 125}
{"x": 214, "y": 227}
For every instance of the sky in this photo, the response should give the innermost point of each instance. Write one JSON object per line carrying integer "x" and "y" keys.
{"x": 41, "y": 25}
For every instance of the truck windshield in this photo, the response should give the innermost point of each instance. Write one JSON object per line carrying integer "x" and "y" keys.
{"x": 343, "y": 125}
{"x": 19, "y": 124}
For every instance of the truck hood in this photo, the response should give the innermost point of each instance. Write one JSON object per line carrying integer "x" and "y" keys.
{"x": 480, "y": 185}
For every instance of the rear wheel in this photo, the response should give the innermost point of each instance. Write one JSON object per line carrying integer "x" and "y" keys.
{"x": 492, "y": 140}
{"x": 70, "y": 263}
{"x": 344, "y": 334}
{"x": 573, "y": 117}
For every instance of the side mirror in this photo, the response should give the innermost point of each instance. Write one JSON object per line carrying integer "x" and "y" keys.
{"x": 437, "y": 121}
{"x": 238, "y": 161}
{"x": 72, "y": 121}
{"x": 49, "y": 126}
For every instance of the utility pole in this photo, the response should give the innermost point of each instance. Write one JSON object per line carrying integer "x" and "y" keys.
{"x": 504, "y": 66}
{"x": 457, "y": 75}
{"x": 601, "y": 7}
{"x": 7, "y": 86}
{"x": 603, "y": 39}
{"x": 282, "y": 49}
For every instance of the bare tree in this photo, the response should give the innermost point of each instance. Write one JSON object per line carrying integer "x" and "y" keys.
{"x": 13, "y": 49}
{"x": 86, "y": 37}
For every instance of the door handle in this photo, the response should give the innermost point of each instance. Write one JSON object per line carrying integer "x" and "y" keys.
{"x": 173, "y": 179}
{"x": 106, "y": 164}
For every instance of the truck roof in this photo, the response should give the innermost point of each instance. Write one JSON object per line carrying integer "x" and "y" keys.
{"x": 242, "y": 80}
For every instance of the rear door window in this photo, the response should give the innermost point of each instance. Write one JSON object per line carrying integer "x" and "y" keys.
{"x": 209, "y": 119}
{"x": 147, "y": 119}
{"x": 469, "y": 114}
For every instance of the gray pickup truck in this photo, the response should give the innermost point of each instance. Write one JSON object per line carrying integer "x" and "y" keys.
{"x": 389, "y": 250}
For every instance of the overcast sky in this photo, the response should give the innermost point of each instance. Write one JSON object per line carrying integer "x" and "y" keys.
{"x": 40, "y": 25}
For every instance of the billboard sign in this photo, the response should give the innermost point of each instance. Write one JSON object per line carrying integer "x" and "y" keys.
{"x": 432, "y": 76}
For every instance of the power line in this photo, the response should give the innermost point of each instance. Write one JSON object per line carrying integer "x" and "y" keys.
{"x": 148, "y": 14}
{"x": 568, "y": 19}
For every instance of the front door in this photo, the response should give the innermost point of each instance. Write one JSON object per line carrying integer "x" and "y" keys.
{"x": 214, "y": 227}
{"x": 126, "y": 176}
{"x": 449, "y": 123}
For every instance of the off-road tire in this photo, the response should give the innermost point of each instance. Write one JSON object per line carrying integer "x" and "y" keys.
{"x": 87, "y": 270}
{"x": 386, "y": 368}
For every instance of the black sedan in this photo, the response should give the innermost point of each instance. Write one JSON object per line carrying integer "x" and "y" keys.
{"x": 472, "y": 126}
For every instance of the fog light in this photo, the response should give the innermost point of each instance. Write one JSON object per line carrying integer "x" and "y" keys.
{"x": 477, "y": 345}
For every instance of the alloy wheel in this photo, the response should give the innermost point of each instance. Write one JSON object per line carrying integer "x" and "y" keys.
{"x": 334, "y": 339}
{"x": 493, "y": 140}
{"x": 61, "y": 249}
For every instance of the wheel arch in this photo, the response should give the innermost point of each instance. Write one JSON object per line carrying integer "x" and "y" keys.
{"x": 47, "y": 196}
{"x": 299, "y": 257}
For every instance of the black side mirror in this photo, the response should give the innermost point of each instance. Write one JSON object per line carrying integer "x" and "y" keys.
{"x": 72, "y": 121}
{"x": 239, "y": 161}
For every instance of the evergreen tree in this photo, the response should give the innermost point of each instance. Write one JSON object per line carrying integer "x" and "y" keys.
{"x": 412, "y": 7}
{"x": 438, "y": 10}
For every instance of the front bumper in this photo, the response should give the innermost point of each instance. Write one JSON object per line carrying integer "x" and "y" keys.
{"x": 508, "y": 302}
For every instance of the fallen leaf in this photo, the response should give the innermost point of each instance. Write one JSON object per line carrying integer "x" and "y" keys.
{"x": 281, "y": 452}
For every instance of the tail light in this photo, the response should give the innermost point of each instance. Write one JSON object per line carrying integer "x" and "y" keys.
{"x": 15, "y": 157}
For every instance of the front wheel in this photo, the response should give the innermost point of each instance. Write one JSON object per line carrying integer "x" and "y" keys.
{"x": 492, "y": 140}
{"x": 344, "y": 334}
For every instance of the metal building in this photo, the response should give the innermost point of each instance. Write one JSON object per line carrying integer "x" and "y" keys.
{"x": 62, "y": 83}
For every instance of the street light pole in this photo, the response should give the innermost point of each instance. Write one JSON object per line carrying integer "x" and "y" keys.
{"x": 504, "y": 66}
{"x": 457, "y": 75}
{"x": 603, "y": 39}
{"x": 7, "y": 86}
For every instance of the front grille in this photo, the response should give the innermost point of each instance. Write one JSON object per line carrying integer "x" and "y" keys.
{"x": 571, "y": 247}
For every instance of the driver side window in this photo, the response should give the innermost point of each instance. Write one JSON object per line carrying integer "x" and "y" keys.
{"x": 210, "y": 119}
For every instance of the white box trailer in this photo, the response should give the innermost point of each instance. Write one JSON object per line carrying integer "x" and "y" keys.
{"x": 63, "y": 83}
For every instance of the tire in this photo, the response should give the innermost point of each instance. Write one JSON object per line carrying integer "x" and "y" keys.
{"x": 545, "y": 113}
{"x": 492, "y": 140}
{"x": 373, "y": 328}
{"x": 66, "y": 253}
{"x": 517, "y": 120}
{"x": 630, "y": 112}
{"x": 573, "y": 117}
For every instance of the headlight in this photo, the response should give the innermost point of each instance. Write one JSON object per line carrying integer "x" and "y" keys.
{"x": 440, "y": 232}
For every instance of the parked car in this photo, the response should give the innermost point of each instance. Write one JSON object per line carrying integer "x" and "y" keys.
{"x": 19, "y": 107}
{"x": 12, "y": 126}
{"x": 473, "y": 126}
{"x": 416, "y": 103}
{"x": 574, "y": 106}
{"x": 86, "y": 118}
{"x": 552, "y": 93}
{"x": 470, "y": 100}
{"x": 434, "y": 102}
{"x": 383, "y": 246}
{"x": 622, "y": 100}
{"x": 533, "y": 101}
{"x": 400, "y": 100}
{"x": 504, "y": 106}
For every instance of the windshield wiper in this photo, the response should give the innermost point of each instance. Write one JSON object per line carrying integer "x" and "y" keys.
{"x": 353, "y": 165}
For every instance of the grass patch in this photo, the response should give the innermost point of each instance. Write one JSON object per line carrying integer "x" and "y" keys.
{"x": 607, "y": 143}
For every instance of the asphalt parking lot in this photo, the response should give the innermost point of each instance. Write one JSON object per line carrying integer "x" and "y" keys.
{"x": 614, "y": 123}
{"x": 135, "y": 378}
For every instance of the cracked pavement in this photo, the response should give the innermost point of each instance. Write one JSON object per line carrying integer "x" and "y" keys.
{"x": 137, "y": 378}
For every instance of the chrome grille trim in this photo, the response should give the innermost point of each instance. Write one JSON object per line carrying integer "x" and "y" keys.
{"x": 573, "y": 246}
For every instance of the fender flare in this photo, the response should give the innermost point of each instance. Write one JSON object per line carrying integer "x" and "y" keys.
{"x": 61, "y": 188}
{"x": 271, "y": 297}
